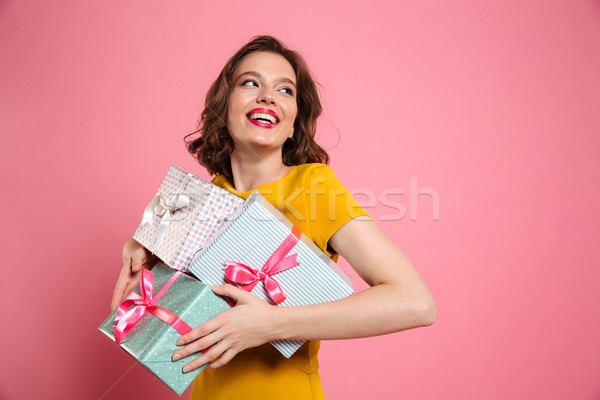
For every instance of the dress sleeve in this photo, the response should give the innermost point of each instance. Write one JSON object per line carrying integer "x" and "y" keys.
{"x": 330, "y": 205}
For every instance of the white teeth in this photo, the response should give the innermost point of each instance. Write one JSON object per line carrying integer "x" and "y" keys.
{"x": 267, "y": 117}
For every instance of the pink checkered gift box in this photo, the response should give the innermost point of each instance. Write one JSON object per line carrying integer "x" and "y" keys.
{"x": 185, "y": 212}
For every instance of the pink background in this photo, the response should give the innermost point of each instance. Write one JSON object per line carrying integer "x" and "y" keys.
{"x": 491, "y": 104}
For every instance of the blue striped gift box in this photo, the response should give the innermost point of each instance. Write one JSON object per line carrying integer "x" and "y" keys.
{"x": 251, "y": 235}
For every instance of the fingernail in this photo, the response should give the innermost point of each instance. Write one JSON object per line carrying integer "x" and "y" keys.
{"x": 176, "y": 357}
{"x": 179, "y": 342}
{"x": 186, "y": 369}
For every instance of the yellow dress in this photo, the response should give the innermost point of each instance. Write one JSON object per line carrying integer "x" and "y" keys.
{"x": 312, "y": 198}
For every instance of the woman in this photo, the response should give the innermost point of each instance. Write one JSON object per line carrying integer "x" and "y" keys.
{"x": 257, "y": 132}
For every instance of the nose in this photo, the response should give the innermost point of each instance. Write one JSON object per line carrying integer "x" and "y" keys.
{"x": 266, "y": 97}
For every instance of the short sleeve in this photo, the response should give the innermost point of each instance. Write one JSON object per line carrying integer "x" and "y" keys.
{"x": 330, "y": 205}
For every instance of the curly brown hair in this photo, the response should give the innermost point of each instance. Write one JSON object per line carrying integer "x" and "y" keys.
{"x": 213, "y": 147}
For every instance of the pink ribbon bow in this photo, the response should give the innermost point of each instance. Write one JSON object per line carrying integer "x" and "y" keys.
{"x": 128, "y": 316}
{"x": 249, "y": 277}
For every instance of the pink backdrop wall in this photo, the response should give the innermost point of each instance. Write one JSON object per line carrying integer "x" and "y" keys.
{"x": 490, "y": 105}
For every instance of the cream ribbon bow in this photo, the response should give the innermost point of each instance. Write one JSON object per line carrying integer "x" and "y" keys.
{"x": 161, "y": 207}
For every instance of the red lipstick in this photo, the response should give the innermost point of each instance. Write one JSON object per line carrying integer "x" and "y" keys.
{"x": 262, "y": 121}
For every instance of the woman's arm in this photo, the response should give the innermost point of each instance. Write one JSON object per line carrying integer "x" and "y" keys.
{"x": 397, "y": 300}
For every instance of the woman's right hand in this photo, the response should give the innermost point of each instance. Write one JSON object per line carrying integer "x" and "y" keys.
{"x": 135, "y": 257}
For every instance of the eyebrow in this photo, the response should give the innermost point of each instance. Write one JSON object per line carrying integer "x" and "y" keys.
{"x": 258, "y": 75}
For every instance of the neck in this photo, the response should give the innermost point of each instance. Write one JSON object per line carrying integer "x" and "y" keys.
{"x": 252, "y": 170}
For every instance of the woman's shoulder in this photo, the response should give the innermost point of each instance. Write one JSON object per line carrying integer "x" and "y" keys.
{"x": 312, "y": 171}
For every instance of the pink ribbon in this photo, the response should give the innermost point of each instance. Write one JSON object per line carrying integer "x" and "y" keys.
{"x": 128, "y": 316}
{"x": 249, "y": 277}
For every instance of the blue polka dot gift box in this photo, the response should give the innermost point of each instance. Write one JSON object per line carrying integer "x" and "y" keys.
{"x": 186, "y": 211}
{"x": 148, "y": 323}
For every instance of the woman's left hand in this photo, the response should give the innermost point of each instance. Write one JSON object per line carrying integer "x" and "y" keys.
{"x": 248, "y": 324}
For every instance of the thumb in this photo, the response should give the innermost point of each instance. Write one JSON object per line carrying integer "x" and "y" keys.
{"x": 137, "y": 261}
{"x": 136, "y": 266}
{"x": 236, "y": 294}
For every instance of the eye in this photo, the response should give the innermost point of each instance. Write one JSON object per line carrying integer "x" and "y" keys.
{"x": 287, "y": 90}
{"x": 249, "y": 82}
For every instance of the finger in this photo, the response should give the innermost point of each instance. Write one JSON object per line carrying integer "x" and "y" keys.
{"x": 125, "y": 284}
{"x": 116, "y": 299}
{"x": 201, "y": 345}
{"x": 120, "y": 288}
{"x": 130, "y": 286}
{"x": 222, "y": 360}
{"x": 233, "y": 292}
{"x": 138, "y": 259}
{"x": 203, "y": 330}
{"x": 212, "y": 354}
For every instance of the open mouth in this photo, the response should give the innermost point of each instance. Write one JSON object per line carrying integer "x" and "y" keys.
{"x": 263, "y": 117}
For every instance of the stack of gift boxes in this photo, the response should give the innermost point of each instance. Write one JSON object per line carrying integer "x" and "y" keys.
{"x": 206, "y": 236}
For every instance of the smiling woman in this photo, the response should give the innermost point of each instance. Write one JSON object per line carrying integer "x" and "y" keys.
{"x": 257, "y": 133}
{"x": 215, "y": 145}
{"x": 262, "y": 80}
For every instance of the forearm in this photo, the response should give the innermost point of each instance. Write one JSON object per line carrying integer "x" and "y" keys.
{"x": 375, "y": 311}
{"x": 381, "y": 309}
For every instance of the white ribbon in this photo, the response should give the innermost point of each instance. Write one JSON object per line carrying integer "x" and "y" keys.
{"x": 165, "y": 209}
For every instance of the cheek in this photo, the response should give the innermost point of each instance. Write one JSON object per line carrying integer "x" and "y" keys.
{"x": 234, "y": 104}
{"x": 234, "y": 112}
{"x": 291, "y": 113}
{"x": 228, "y": 115}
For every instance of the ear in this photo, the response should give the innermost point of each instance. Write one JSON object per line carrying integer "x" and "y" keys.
{"x": 291, "y": 133}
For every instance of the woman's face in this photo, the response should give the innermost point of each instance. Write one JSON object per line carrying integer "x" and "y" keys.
{"x": 262, "y": 101}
